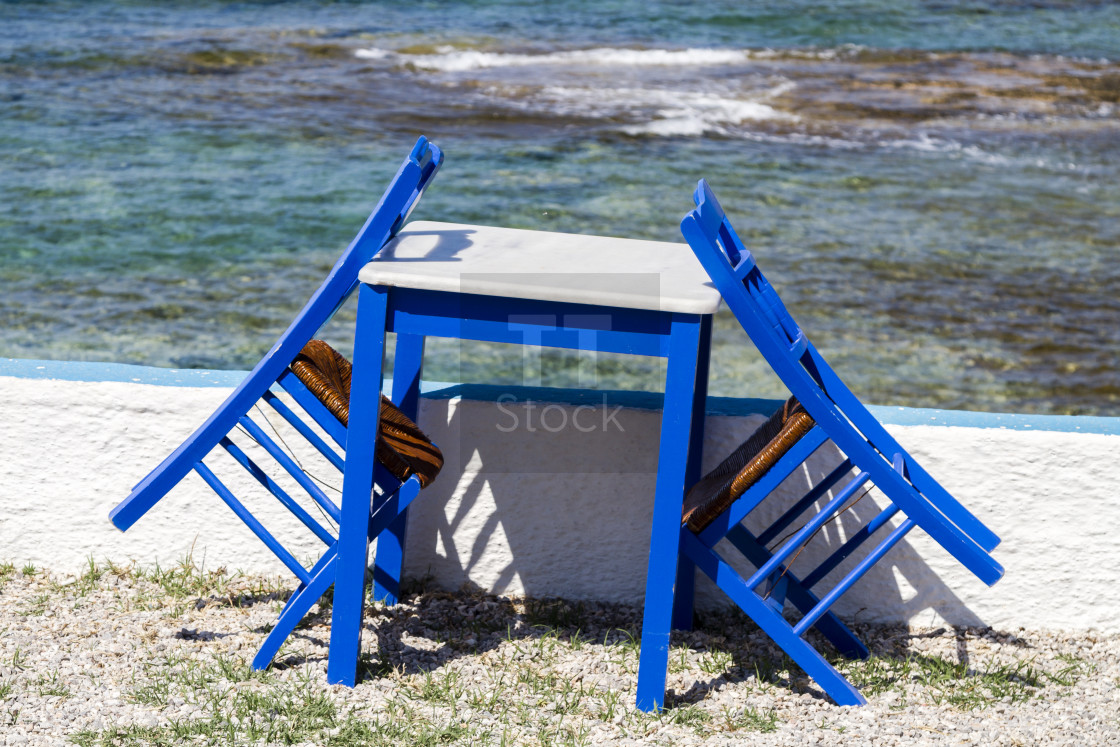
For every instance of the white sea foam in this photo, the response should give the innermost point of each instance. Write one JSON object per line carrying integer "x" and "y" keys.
{"x": 451, "y": 59}
{"x": 372, "y": 54}
{"x": 448, "y": 58}
{"x": 691, "y": 115}
{"x": 659, "y": 111}
{"x": 931, "y": 144}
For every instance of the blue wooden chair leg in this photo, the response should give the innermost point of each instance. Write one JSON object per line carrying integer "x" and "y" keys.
{"x": 353, "y": 538}
{"x": 772, "y": 623}
{"x": 327, "y": 557}
{"x": 323, "y": 573}
{"x": 308, "y": 594}
{"x": 389, "y": 560}
{"x": 672, "y": 466}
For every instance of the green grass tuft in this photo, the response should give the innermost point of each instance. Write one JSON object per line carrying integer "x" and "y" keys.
{"x": 749, "y": 719}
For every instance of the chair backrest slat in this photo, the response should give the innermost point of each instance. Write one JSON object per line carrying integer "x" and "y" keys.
{"x": 853, "y": 543}
{"x": 290, "y": 466}
{"x": 808, "y": 529}
{"x": 251, "y": 521}
{"x": 861, "y": 568}
{"x": 807, "y": 500}
{"x": 261, "y": 476}
{"x": 305, "y": 430}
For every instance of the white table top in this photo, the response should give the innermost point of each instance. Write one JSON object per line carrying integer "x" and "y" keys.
{"x": 541, "y": 265}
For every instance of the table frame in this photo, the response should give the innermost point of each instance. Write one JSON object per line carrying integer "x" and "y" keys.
{"x": 683, "y": 339}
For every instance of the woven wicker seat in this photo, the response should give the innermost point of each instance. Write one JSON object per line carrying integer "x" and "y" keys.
{"x": 721, "y": 487}
{"x": 403, "y": 448}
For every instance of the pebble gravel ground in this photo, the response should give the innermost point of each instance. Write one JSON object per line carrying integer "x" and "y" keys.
{"x": 122, "y": 656}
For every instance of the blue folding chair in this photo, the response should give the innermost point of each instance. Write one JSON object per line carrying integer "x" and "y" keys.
{"x": 822, "y": 409}
{"x": 317, "y": 380}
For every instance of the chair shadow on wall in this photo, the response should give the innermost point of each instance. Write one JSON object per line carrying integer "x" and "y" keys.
{"x": 499, "y": 517}
{"x": 504, "y": 465}
{"x": 562, "y": 522}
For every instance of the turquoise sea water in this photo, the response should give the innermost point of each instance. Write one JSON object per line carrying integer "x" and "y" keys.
{"x": 934, "y": 187}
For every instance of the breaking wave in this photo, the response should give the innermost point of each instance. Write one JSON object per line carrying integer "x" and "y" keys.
{"x": 452, "y": 59}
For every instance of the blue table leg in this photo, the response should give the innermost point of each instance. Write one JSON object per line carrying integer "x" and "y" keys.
{"x": 361, "y": 440}
{"x": 672, "y": 468}
{"x": 389, "y": 560}
{"x": 686, "y": 569}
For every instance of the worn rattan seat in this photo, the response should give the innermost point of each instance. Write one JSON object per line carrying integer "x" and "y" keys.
{"x": 721, "y": 487}
{"x": 402, "y": 447}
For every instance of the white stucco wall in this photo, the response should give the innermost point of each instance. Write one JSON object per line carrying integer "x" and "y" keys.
{"x": 72, "y": 449}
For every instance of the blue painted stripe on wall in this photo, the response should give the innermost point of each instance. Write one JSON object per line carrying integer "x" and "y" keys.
{"x": 732, "y": 406}
{"x": 1008, "y": 421}
{"x": 120, "y": 372}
